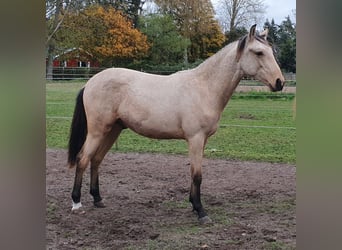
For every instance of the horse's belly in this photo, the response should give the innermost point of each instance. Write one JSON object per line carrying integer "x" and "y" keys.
{"x": 159, "y": 134}
{"x": 151, "y": 115}
{"x": 156, "y": 128}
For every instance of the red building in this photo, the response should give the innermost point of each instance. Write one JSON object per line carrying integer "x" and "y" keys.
{"x": 75, "y": 57}
{"x": 73, "y": 63}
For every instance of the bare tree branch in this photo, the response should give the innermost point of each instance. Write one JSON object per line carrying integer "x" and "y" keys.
{"x": 237, "y": 13}
{"x": 57, "y": 26}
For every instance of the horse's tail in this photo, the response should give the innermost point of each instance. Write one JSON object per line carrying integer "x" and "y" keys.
{"x": 78, "y": 130}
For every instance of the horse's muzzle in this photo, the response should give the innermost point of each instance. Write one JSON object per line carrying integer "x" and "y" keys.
{"x": 279, "y": 85}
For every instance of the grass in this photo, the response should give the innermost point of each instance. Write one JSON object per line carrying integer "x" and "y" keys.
{"x": 51, "y": 210}
{"x": 254, "y": 126}
{"x": 276, "y": 246}
{"x": 176, "y": 204}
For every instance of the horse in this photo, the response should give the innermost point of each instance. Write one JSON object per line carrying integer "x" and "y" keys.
{"x": 185, "y": 105}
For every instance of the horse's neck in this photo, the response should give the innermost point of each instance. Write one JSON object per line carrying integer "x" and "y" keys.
{"x": 222, "y": 75}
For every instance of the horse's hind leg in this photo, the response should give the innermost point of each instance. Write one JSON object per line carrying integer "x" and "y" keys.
{"x": 96, "y": 161}
{"x": 89, "y": 149}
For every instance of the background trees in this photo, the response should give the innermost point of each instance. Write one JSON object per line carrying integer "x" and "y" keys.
{"x": 287, "y": 45}
{"x": 195, "y": 21}
{"x": 105, "y": 34}
{"x": 283, "y": 39}
{"x": 240, "y": 13}
{"x": 236, "y": 15}
{"x": 54, "y": 19}
{"x": 118, "y": 33}
{"x": 167, "y": 44}
{"x": 130, "y": 8}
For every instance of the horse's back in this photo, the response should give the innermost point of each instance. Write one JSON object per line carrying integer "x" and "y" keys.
{"x": 122, "y": 76}
{"x": 123, "y": 84}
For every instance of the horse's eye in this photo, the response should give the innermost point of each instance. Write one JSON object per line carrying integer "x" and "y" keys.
{"x": 259, "y": 53}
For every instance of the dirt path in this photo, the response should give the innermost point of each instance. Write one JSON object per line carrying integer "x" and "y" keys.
{"x": 252, "y": 205}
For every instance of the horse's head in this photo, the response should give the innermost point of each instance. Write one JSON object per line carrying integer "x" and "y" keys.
{"x": 256, "y": 59}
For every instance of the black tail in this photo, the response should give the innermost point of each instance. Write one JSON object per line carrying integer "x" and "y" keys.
{"x": 78, "y": 130}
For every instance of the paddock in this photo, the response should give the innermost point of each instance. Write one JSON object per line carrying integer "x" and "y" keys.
{"x": 252, "y": 207}
{"x": 252, "y": 204}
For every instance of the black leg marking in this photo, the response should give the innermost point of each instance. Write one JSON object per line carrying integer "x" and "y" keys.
{"x": 195, "y": 196}
{"x": 95, "y": 191}
{"x": 94, "y": 185}
{"x": 76, "y": 191}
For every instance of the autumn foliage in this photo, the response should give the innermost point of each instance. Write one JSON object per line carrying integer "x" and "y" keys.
{"x": 195, "y": 19}
{"x": 183, "y": 31}
{"x": 106, "y": 35}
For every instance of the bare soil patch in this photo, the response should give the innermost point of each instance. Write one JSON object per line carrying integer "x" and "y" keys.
{"x": 252, "y": 205}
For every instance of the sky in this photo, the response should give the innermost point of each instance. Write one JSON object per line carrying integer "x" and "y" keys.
{"x": 276, "y": 9}
{"x": 279, "y": 9}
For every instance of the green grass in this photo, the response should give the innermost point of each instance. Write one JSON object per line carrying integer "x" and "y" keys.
{"x": 254, "y": 126}
{"x": 276, "y": 246}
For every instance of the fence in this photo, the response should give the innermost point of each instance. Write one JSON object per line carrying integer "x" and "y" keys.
{"x": 84, "y": 73}
{"x": 73, "y": 73}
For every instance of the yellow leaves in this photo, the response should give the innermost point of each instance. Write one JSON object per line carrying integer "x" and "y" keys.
{"x": 107, "y": 34}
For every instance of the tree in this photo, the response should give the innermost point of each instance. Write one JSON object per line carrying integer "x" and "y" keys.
{"x": 195, "y": 21}
{"x": 240, "y": 13}
{"x": 207, "y": 42}
{"x": 62, "y": 36}
{"x": 283, "y": 39}
{"x": 54, "y": 17}
{"x": 105, "y": 34}
{"x": 287, "y": 45}
{"x": 167, "y": 44}
{"x": 130, "y": 8}
{"x": 273, "y": 36}
{"x": 56, "y": 11}
{"x": 235, "y": 34}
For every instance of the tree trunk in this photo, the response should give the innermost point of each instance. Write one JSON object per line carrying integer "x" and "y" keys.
{"x": 233, "y": 15}
{"x": 49, "y": 66}
{"x": 51, "y": 41}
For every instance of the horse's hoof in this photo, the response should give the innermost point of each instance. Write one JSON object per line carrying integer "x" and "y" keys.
{"x": 205, "y": 220}
{"x": 99, "y": 204}
{"x": 76, "y": 206}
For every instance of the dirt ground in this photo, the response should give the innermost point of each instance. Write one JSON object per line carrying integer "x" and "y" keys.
{"x": 252, "y": 205}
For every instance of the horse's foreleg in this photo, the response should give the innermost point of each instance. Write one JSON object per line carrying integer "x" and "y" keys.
{"x": 196, "y": 146}
{"x": 94, "y": 185}
{"x": 96, "y": 161}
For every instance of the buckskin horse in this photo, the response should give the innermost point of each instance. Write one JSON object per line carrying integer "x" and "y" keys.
{"x": 185, "y": 105}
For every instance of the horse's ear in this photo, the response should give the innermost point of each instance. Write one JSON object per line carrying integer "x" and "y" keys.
{"x": 251, "y": 34}
{"x": 264, "y": 34}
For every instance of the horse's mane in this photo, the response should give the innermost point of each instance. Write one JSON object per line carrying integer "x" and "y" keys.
{"x": 218, "y": 54}
{"x": 241, "y": 47}
{"x": 241, "y": 44}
